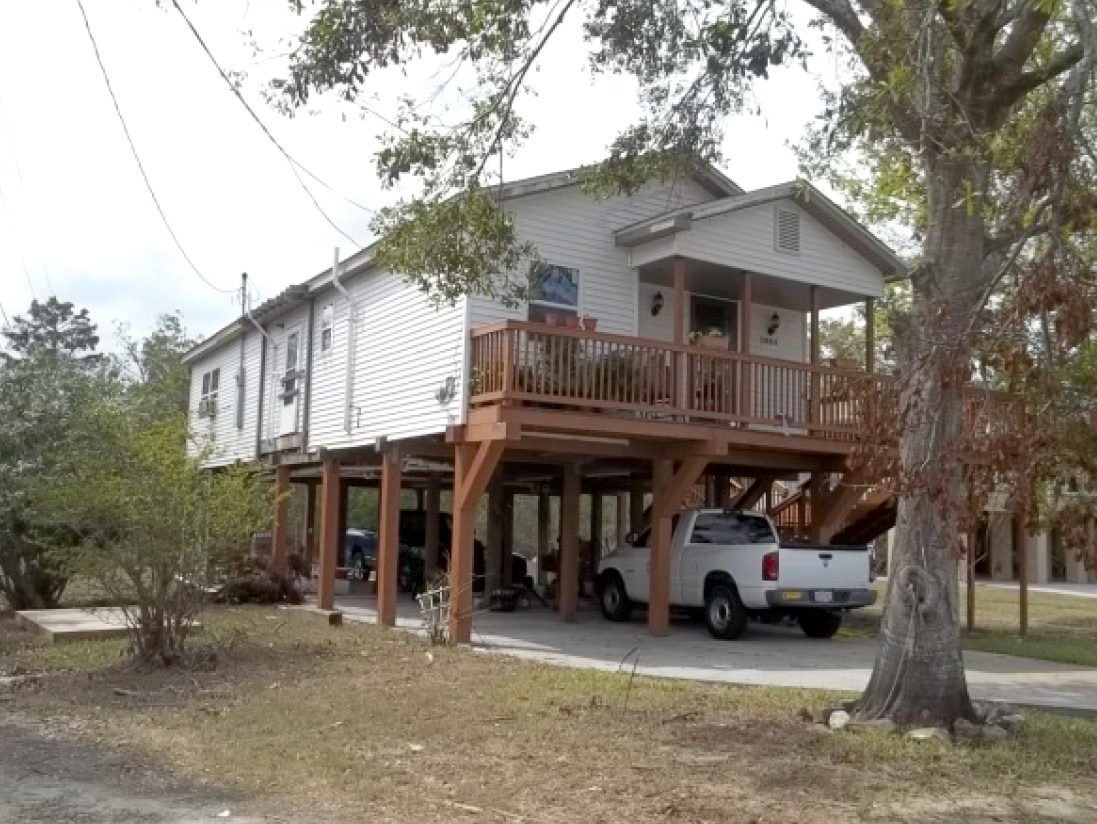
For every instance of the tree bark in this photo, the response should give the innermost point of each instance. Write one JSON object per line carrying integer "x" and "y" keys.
{"x": 919, "y": 675}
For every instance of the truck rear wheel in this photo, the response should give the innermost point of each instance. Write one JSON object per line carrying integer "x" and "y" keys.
{"x": 819, "y": 623}
{"x": 725, "y": 615}
{"x": 613, "y": 599}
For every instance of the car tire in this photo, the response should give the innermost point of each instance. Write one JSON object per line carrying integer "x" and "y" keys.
{"x": 725, "y": 615}
{"x": 819, "y": 623}
{"x": 614, "y": 601}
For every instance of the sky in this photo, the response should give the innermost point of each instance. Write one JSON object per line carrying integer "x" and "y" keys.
{"x": 77, "y": 221}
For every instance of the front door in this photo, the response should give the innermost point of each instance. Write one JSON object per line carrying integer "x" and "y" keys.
{"x": 716, "y": 316}
{"x": 291, "y": 380}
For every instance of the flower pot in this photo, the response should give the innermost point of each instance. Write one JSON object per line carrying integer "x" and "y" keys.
{"x": 571, "y": 321}
{"x": 715, "y": 342}
{"x": 551, "y": 319}
{"x": 589, "y": 323}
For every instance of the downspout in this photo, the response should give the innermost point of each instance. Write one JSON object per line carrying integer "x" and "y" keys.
{"x": 352, "y": 342}
{"x": 262, "y": 384}
{"x": 308, "y": 379}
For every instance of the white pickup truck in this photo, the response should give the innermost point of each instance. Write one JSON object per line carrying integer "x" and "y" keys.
{"x": 731, "y": 566}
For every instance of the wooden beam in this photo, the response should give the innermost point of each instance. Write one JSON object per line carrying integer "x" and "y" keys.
{"x": 834, "y": 508}
{"x": 753, "y": 493}
{"x": 278, "y": 527}
{"x": 679, "y": 300}
{"x": 473, "y": 465}
{"x": 330, "y": 504}
{"x": 388, "y": 538}
{"x": 489, "y": 431}
{"x": 434, "y": 513}
{"x": 870, "y": 335}
{"x": 678, "y": 485}
{"x": 567, "y": 585}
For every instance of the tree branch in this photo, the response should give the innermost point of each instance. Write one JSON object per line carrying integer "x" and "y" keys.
{"x": 1027, "y": 81}
{"x": 1022, "y": 40}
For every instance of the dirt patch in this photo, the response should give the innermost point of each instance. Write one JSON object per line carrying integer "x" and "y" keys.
{"x": 360, "y": 722}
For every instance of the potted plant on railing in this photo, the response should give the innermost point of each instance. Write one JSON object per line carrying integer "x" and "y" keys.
{"x": 590, "y": 323}
{"x": 571, "y": 321}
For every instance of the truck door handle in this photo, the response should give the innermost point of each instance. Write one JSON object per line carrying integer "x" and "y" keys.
{"x": 826, "y": 556}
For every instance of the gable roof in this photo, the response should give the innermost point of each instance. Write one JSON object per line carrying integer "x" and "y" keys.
{"x": 807, "y": 197}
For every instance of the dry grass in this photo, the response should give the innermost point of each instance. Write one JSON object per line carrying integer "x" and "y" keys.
{"x": 1061, "y": 627}
{"x": 362, "y": 721}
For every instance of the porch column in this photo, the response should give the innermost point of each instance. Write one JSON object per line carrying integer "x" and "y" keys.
{"x": 567, "y": 583}
{"x": 473, "y": 465}
{"x": 870, "y": 335}
{"x": 746, "y": 303}
{"x": 310, "y": 524}
{"x": 622, "y": 517}
{"x": 434, "y": 511}
{"x": 544, "y": 513}
{"x": 671, "y": 488}
{"x": 331, "y": 500}
{"x": 679, "y": 300}
{"x": 388, "y": 538}
{"x": 278, "y": 528}
{"x": 493, "y": 561}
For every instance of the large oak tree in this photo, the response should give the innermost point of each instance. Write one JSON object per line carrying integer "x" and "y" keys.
{"x": 971, "y": 114}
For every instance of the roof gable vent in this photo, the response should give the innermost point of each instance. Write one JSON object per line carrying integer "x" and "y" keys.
{"x": 787, "y": 231}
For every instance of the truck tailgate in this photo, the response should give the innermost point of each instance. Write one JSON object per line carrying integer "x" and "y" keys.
{"x": 804, "y": 566}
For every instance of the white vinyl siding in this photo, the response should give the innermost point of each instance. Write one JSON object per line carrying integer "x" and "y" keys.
{"x": 405, "y": 351}
{"x": 571, "y": 229}
{"x": 745, "y": 239}
{"x": 294, "y": 321}
{"x": 228, "y": 442}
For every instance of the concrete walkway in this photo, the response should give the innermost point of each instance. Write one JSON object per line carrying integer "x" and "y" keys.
{"x": 765, "y": 655}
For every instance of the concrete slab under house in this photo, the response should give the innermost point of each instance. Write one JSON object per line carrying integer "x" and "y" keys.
{"x": 670, "y": 354}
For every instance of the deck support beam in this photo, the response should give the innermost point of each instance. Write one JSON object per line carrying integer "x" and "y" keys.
{"x": 753, "y": 493}
{"x": 278, "y": 542}
{"x": 473, "y": 466}
{"x": 670, "y": 489}
{"x": 388, "y": 538}
{"x": 331, "y": 500}
{"x": 567, "y": 586}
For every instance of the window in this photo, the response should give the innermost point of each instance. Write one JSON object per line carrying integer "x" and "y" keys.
{"x": 289, "y": 376}
{"x": 555, "y": 291}
{"x": 787, "y": 231}
{"x": 207, "y": 405}
{"x": 327, "y": 321}
{"x": 735, "y": 528}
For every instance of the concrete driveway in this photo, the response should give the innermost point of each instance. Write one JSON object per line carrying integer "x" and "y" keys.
{"x": 765, "y": 655}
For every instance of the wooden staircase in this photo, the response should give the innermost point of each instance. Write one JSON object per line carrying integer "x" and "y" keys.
{"x": 846, "y": 514}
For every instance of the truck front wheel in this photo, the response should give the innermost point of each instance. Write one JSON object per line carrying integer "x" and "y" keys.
{"x": 613, "y": 599}
{"x": 725, "y": 615}
{"x": 819, "y": 623}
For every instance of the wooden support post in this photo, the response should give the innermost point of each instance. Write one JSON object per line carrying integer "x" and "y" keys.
{"x": 473, "y": 466}
{"x": 636, "y": 508}
{"x": 679, "y": 359}
{"x": 330, "y": 504}
{"x": 813, "y": 408}
{"x": 1019, "y": 544}
{"x": 310, "y": 525}
{"x": 753, "y": 493}
{"x": 870, "y": 335}
{"x": 388, "y": 538}
{"x": 544, "y": 516}
{"x": 493, "y": 559}
{"x": 671, "y": 487}
{"x": 972, "y": 551}
{"x": 745, "y": 405}
{"x": 281, "y": 512}
{"x": 567, "y": 584}
{"x": 595, "y": 526}
{"x": 434, "y": 513}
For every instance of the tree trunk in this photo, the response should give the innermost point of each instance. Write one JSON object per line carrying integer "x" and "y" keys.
{"x": 919, "y": 675}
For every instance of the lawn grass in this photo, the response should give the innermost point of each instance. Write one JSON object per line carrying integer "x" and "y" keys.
{"x": 366, "y": 722}
{"x": 1061, "y": 627}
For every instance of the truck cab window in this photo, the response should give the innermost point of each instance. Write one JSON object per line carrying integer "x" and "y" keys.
{"x": 731, "y": 528}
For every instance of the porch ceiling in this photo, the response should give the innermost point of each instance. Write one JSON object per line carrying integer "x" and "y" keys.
{"x": 712, "y": 279}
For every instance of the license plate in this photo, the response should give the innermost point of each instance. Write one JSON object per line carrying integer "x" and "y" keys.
{"x": 823, "y": 596}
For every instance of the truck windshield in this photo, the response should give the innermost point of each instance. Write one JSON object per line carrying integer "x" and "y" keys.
{"x": 731, "y": 528}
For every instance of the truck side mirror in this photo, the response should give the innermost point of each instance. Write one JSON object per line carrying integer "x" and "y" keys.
{"x": 630, "y": 538}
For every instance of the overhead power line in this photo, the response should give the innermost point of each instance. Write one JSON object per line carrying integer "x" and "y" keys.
{"x": 294, "y": 164}
{"x": 137, "y": 157}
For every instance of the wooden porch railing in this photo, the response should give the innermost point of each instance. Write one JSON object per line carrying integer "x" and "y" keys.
{"x": 572, "y": 369}
{"x": 564, "y": 368}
